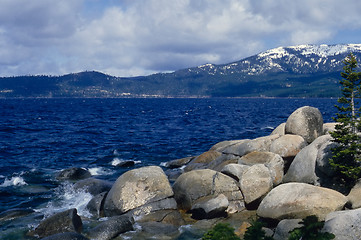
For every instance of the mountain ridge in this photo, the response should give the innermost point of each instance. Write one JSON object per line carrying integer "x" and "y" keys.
{"x": 293, "y": 71}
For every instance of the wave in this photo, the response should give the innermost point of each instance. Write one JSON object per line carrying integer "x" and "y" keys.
{"x": 14, "y": 181}
{"x": 116, "y": 161}
{"x": 97, "y": 171}
{"x": 267, "y": 127}
{"x": 66, "y": 197}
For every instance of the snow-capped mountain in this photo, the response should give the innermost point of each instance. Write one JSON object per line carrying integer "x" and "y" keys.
{"x": 295, "y": 71}
{"x": 301, "y": 59}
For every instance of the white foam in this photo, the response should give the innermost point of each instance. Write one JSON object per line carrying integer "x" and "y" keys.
{"x": 96, "y": 171}
{"x": 14, "y": 181}
{"x": 116, "y": 161}
{"x": 66, "y": 198}
{"x": 184, "y": 228}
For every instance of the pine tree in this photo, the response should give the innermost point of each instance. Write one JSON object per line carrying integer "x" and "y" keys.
{"x": 347, "y": 155}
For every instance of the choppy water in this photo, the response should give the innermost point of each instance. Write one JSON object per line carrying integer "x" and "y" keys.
{"x": 39, "y": 137}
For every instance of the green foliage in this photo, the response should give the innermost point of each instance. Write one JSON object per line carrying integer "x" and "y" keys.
{"x": 310, "y": 230}
{"x": 346, "y": 156}
{"x": 255, "y": 232}
{"x": 221, "y": 231}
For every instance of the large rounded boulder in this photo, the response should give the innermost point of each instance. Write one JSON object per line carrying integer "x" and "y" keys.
{"x": 194, "y": 186}
{"x": 256, "y": 182}
{"x": 111, "y": 228}
{"x": 299, "y": 200}
{"x": 62, "y": 222}
{"x": 272, "y": 161}
{"x": 303, "y": 167}
{"x": 136, "y": 188}
{"x": 345, "y": 225}
{"x": 288, "y": 145}
{"x": 306, "y": 122}
{"x": 73, "y": 173}
{"x": 243, "y": 147}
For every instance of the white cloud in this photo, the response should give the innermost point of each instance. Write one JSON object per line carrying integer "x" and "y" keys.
{"x": 137, "y": 37}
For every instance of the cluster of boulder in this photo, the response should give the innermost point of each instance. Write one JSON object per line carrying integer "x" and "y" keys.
{"x": 281, "y": 178}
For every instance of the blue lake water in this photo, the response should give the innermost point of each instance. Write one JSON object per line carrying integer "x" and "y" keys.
{"x": 39, "y": 137}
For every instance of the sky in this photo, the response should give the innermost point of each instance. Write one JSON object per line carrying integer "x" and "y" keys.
{"x": 141, "y": 37}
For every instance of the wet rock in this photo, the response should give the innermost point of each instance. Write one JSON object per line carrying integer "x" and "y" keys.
{"x": 111, "y": 228}
{"x": 14, "y": 213}
{"x": 177, "y": 163}
{"x": 306, "y": 122}
{"x": 299, "y": 200}
{"x": 158, "y": 230}
{"x": 136, "y": 188}
{"x": 73, "y": 174}
{"x": 125, "y": 163}
{"x": 96, "y": 205}
{"x": 66, "y": 236}
{"x": 93, "y": 186}
{"x": 67, "y": 221}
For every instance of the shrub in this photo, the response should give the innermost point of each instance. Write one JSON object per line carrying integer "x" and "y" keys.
{"x": 311, "y": 230}
{"x": 255, "y": 232}
{"x": 221, "y": 231}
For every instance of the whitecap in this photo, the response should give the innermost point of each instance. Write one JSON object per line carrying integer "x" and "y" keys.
{"x": 14, "y": 181}
{"x": 163, "y": 164}
{"x": 116, "y": 161}
{"x": 96, "y": 171}
{"x": 116, "y": 152}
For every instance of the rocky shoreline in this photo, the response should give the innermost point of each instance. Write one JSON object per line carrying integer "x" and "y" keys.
{"x": 280, "y": 178}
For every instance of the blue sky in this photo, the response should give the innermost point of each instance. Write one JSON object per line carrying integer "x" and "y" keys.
{"x": 140, "y": 37}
